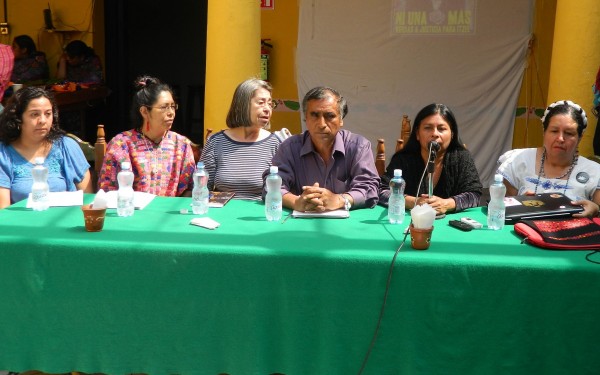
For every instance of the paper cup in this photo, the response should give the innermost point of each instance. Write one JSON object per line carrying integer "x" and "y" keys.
{"x": 93, "y": 218}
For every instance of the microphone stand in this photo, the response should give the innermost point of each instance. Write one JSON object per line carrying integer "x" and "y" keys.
{"x": 430, "y": 169}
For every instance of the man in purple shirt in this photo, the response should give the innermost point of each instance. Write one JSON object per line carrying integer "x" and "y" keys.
{"x": 326, "y": 167}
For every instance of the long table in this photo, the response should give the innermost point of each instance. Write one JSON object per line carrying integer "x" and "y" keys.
{"x": 152, "y": 293}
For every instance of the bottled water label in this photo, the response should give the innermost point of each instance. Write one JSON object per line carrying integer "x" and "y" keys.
{"x": 496, "y": 219}
{"x": 39, "y": 196}
{"x": 396, "y": 212}
{"x": 199, "y": 204}
{"x": 125, "y": 205}
{"x": 273, "y": 210}
{"x": 39, "y": 200}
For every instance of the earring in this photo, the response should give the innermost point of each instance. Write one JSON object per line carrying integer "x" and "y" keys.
{"x": 148, "y": 125}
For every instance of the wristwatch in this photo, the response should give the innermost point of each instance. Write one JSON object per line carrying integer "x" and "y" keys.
{"x": 347, "y": 203}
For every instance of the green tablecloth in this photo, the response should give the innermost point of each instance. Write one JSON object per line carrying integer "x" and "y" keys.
{"x": 151, "y": 293}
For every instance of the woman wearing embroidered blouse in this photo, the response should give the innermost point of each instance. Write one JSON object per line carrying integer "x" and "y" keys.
{"x": 237, "y": 157}
{"x": 556, "y": 166}
{"x": 29, "y": 129}
{"x": 162, "y": 160}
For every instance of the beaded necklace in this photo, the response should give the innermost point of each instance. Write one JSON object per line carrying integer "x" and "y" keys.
{"x": 566, "y": 174}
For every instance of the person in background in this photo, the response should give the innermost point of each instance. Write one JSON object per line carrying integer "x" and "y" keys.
{"x": 80, "y": 64}
{"x": 30, "y": 64}
{"x": 326, "y": 167}
{"x": 162, "y": 160}
{"x": 236, "y": 158}
{"x": 29, "y": 129}
{"x": 456, "y": 184}
{"x": 6, "y": 67}
{"x": 555, "y": 166}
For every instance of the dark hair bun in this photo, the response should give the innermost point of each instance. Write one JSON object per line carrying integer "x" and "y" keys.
{"x": 144, "y": 81}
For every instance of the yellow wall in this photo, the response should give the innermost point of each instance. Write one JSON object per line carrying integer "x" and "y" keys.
{"x": 232, "y": 55}
{"x": 281, "y": 26}
{"x": 26, "y": 17}
{"x": 575, "y": 59}
{"x": 534, "y": 89}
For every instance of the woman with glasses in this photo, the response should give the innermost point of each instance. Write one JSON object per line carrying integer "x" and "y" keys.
{"x": 236, "y": 158}
{"x": 162, "y": 160}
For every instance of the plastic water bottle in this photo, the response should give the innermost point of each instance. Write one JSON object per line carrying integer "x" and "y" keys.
{"x": 396, "y": 203}
{"x": 496, "y": 207}
{"x": 40, "y": 188}
{"x": 200, "y": 192}
{"x": 125, "y": 205}
{"x": 273, "y": 200}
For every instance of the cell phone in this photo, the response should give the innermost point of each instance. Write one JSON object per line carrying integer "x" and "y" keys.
{"x": 460, "y": 225}
{"x": 474, "y": 223}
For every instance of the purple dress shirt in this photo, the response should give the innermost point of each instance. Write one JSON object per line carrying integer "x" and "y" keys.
{"x": 351, "y": 168}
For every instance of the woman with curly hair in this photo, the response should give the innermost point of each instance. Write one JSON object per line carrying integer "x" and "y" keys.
{"x": 29, "y": 129}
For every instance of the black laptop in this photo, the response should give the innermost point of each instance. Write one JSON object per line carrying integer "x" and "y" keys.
{"x": 537, "y": 206}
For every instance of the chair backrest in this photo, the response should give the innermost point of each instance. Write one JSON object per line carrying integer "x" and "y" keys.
{"x": 380, "y": 157}
{"x": 404, "y": 133}
{"x": 400, "y": 143}
{"x": 197, "y": 148}
{"x": 93, "y": 154}
{"x": 99, "y": 149}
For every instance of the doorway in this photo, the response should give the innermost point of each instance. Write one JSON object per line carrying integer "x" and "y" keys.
{"x": 166, "y": 40}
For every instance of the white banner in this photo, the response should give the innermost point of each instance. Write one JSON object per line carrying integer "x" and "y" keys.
{"x": 393, "y": 57}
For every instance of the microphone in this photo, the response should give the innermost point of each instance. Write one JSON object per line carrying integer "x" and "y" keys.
{"x": 434, "y": 146}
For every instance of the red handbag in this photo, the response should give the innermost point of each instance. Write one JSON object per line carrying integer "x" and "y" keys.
{"x": 561, "y": 234}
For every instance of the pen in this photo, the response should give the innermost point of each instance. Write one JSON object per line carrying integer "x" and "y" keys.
{"x": 287, "y": 217}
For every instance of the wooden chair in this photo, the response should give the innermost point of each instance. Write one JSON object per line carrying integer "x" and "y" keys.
{"x": 400, "y": 143}
{"x": 93, "y": 154}
{"x": 404, "y": 133}
{"x": 197, "y": 148}
{"x": 380, "y": 157}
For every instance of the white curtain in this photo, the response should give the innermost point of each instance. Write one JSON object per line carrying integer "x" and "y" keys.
{"x": 393, "y": 57}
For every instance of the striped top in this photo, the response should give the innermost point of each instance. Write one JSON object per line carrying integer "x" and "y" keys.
{"x": 238, "y": 166}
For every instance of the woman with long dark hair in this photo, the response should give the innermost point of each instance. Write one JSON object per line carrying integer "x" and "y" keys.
{"x": 162, "y": 160}
{"x": 29, "y": 129}
{"x": 456, "y": 184}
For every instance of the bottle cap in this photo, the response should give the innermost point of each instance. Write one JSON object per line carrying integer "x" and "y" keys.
{"x": 125, "y": 165}
{"x": 39, "y": 160}
{"x": 397, "y": 172}
{"x": 273, "y": 169}
{"x": 498, "y": 178}
{"x": 200, "y": 165}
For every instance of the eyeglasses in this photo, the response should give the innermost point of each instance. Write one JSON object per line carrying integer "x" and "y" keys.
{"x": 164, "y": 108}
{"x": 271, "y": 105}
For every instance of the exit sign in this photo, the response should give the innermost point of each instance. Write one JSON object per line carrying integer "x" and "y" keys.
{"x": 267, "y": 4}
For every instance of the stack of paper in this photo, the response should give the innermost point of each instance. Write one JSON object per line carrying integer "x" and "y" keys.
{"x": 140, "y": 199}
{"x": 335, "y": 214}
{"x": 62, "y": 198}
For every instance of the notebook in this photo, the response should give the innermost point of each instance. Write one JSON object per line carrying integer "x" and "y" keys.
{"x": 544, "y": 205}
